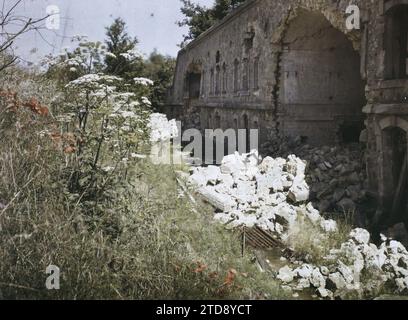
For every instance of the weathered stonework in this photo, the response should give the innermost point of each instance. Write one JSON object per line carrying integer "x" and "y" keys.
{"x": 291, "y": 68}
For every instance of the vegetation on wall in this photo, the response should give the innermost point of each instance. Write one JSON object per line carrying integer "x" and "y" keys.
{"x": 200, "y": 18}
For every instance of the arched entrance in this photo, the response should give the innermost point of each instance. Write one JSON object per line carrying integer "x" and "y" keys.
{"x": 192, "y": 85}
{"x": 321, "y": 90}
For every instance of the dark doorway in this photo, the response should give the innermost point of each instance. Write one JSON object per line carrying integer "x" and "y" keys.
{"x": 321, "y": 86}
{"x": 395, "y": 173}
{"x": 194, "y": 85}
{"x": 396, "y": 42}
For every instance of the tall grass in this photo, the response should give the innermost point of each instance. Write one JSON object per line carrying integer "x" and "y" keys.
{"x": 147, "y": 240}
{"x": 310, "y": 243}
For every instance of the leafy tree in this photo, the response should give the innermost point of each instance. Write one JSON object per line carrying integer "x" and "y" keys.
{"x": 197, "y": 19}
{"x": 223, "y": 7}
{"x": 122, "y": 58}
{"x": 160, "y": 69}
{"x": 200, "y": 18}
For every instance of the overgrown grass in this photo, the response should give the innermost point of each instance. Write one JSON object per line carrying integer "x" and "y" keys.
{"x": 309, "y": 241}
{"x": 146, "y": 241}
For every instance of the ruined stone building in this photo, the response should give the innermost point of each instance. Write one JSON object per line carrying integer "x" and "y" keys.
{"x": 292, "y": 68}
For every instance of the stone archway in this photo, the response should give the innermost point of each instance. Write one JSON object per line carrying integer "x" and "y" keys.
{"x": 193, "y": 80}
{"x": 393, "y": 146}
{"x": 321, "y": 90}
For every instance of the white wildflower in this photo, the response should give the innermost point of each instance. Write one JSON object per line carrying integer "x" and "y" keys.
{"x": 143, "y": 81}
{"x": 146, "y": 101}
{"x": 128, "y": 114}
{"x": 111, "y": 55}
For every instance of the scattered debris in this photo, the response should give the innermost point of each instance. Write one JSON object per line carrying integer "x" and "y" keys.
{"x": 384, "y": 265}
{"x": 251, "y": 192}
{"x": 161, "y": 129}
{"x": 271, "y": 194}
{"x": 336, "y": 175}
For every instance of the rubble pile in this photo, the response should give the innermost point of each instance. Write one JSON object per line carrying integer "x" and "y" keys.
{"x": 336, "y": 174}
{"x": 358, "y": 267}
{"x": 269, "y": 194}
{"x": 273, "y": 194}
{"x": 161, "y": 129}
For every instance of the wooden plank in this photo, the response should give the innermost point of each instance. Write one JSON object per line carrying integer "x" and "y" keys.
{"x": 261, "y": 239}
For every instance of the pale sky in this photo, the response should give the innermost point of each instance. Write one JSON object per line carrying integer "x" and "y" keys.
{"x": 153, "y": 22}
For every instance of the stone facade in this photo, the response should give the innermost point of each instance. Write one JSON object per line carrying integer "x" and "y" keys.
{"x": 292, "y": 68}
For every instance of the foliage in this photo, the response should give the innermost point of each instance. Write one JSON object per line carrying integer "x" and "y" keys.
{"x": 86, "y": 58}
{"x": 147, "y": 240}
{"x": 197, "y": 18}
{"x": 200, "y": 18}
{"x": 77, "y": 191}
{"x": 122, "y": 58}
{"x": 160, "y": 70}
{"x": 311, "y": 244}
{"x": 106, "y": 126}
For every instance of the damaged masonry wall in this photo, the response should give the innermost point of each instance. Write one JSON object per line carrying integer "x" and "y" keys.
{"x": 290, "y": 68}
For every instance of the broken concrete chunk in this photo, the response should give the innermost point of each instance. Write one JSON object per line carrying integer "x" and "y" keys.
{"x": 295, "y": 166}
{"x": 317, "y": 279}
{"x": 287, "y": 181}
{"x": 324, "y": 270}
{"x": 398, "y": 232}
{"x": 275, "y": 199}
{"x": 226, "y": 180}
{"x": 360, "y": 236}
{"x": 305, "y": 271}
{"x": 336, "y": 282}
{"x": 222, "y": 202}
{"x": 269, "y": 164}
{"x": 286, "y": 275}
{"x": 232, "y": 164}
{"x": 299, "y": 192}
{"x": 402, "y": 284}
{"x": 252, "y": 159}
{"x": 302, "y": 284}
{"x": 277, "y": 185}
{"x": 212, "y": 174}
{"x": 312, "y": 214}
{"x": 346, "y": 272}
{"x": 198, "y": 179}
{"x": 396, "y": 247}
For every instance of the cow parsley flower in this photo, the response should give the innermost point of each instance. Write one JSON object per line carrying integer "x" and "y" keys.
{"x": 143, "y": 81}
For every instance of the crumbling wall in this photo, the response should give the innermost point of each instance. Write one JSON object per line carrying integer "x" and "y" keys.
{"x": 386, "y": 108}
{"x": 244, "y": 60}
{"x": 262, "y": 76}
